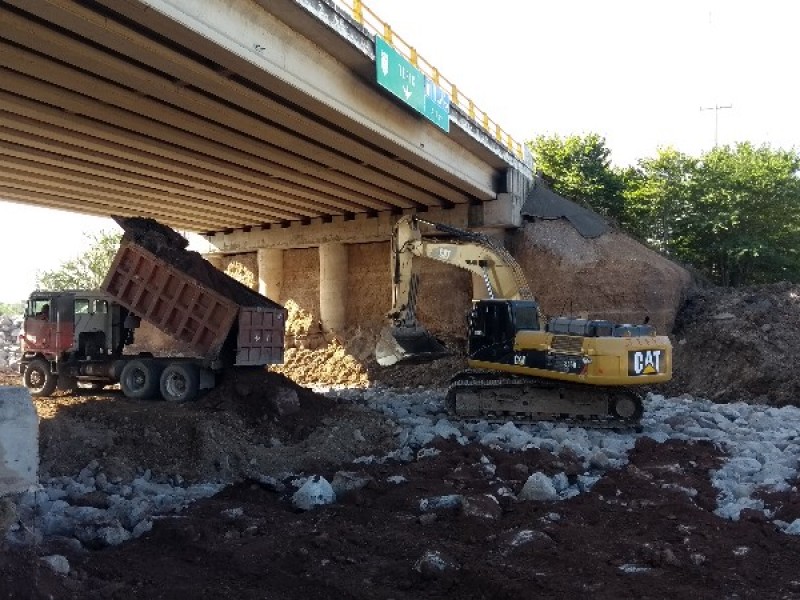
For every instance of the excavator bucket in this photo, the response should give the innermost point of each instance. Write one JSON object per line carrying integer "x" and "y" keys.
{"x": 407, "y": 345}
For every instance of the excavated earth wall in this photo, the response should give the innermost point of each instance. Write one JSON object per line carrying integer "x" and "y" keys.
{"x": 612, "y": 276}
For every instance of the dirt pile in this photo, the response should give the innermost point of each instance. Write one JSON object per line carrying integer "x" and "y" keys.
{"x": 740, "y": 344}
{"x": 253, "y": 422}
{"x": 612, "y": 276}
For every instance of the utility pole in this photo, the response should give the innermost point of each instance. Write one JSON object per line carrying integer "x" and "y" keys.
{"x": 716, "y": 108}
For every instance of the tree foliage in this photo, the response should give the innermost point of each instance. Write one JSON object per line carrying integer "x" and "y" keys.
{"x": 11, "y": 309}
{"x": 579, "y": 168}
{"x": 733, "y": 213}
{"x": 87, "y": 270}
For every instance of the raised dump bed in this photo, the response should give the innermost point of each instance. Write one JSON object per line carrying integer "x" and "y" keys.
{"x": 183, "y": 295}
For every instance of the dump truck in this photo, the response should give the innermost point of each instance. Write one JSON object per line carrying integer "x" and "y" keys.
{"x": 523, "y": 366}
{"x": 79, "y": 337}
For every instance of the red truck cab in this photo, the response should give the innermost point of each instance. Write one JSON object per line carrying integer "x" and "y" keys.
{"x": 70, "y": 327}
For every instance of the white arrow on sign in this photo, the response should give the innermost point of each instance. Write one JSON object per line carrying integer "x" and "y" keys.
{"x": 407, "y": 92}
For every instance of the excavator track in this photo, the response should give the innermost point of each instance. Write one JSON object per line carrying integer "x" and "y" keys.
{"x": 496, "y": 397}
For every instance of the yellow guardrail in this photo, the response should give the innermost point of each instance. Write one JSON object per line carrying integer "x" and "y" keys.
{"x": 365, "y": 17}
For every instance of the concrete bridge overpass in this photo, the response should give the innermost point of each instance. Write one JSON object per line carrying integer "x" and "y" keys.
{"x": 259, "y": 123}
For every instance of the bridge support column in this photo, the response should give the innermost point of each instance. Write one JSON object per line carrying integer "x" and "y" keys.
{"x": 217, "y": 260}
{"x": 270, "y": 273}
{"x": 333, "y": 286}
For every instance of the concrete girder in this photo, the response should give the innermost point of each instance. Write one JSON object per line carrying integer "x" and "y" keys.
{"x": 73, "y": 102}
{"x": 361, "y": 228}
{"x": 84, "y": 206}
{"x": 238, "y": 130}
{"x": 12, "y": 179}
{"x": 32, "y": 171}
{"x": 244, "y": 38}
{"x": 160, "y": 159}
{"x": 56, "y": 150}
{"x": 183, "y": 69}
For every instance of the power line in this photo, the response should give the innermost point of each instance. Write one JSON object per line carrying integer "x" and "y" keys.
{"x": 716, "y": 108}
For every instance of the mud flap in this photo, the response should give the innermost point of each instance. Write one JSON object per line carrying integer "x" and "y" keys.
{"x": 407, "y": 345}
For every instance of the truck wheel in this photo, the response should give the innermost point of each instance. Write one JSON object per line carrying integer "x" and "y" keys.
{"x": 180, "y": 382}
{"x": 139, "y": 379}
{"x": 38, "y": 378}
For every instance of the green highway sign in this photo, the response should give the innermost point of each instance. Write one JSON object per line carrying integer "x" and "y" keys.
{"x": 399, "y": 76}
{"x": 437, "y": 105}
{"x": 408, "y": 83}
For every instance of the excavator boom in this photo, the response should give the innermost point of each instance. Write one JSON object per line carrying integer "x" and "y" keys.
{"x": 406, "y": 340}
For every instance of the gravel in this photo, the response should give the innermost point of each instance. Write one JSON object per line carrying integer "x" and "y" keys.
{"x": 761, "y": 444}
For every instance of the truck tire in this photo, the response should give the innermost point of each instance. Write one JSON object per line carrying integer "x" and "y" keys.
{"x": 139, "y": 379}
{"x": 180, "y": 382}
{"x": 38, "y": 378}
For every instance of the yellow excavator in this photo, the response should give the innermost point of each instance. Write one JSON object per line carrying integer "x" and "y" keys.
{"x": 521, "y": 366}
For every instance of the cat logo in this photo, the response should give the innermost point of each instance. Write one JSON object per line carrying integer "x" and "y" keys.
{"x": 445, "y": 254}
{"x": 644, "y": 362}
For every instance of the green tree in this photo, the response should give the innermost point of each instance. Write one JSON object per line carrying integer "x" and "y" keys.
{"x": 579, "y": 168}
{"x": 11, "y": 309}
{"x": 659, "y": 194}
{"x": 87, "y": 270}
{"x": 747, "y": 221}
{"x": 733, "y": 213}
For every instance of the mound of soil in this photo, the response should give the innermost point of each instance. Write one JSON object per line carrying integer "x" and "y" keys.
{"x": 739, "y": 344}
{"x": 255, "y": 422}
{"x": 610, "y": 277}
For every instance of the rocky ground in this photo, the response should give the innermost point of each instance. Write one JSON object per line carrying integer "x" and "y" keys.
{"x": 264, "y": 489}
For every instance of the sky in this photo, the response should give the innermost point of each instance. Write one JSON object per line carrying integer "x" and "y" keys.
{"x": 636, "y": 72}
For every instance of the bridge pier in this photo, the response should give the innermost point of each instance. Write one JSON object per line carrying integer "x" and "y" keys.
{"x": 270, "y": 273}
{"x": 333, "y": 266}
{"x": 216, "y": 260}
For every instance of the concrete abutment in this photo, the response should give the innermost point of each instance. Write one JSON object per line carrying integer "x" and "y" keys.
{"x": 19, "y": 442}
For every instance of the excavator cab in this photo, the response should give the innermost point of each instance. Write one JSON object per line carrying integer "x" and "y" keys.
{"x": 493, "y": 326}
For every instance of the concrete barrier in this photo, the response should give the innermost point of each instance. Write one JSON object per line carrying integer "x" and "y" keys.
{"x": 19, "y": 441}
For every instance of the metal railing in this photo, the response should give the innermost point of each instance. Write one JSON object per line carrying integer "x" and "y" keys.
{"x": 365, "y": 17}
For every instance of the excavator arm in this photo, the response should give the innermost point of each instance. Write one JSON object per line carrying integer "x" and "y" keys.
{"x": 406, "y": 340}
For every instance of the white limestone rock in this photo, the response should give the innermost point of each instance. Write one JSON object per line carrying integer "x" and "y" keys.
{"x": 316, "y": 491}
